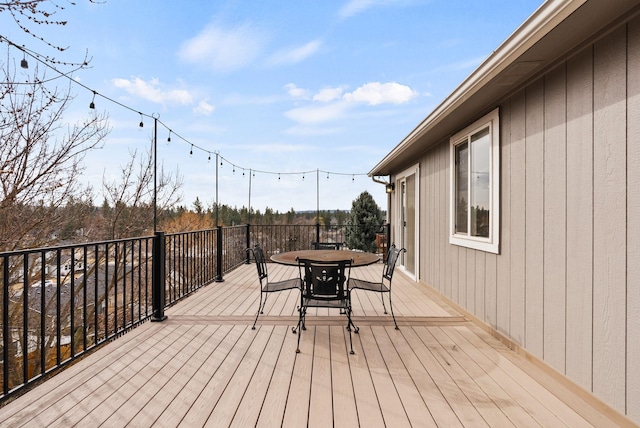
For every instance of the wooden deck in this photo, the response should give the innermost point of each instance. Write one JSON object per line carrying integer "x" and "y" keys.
{"x": 204, "y": 366}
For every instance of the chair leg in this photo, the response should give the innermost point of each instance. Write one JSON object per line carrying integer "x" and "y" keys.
{"x": 260, "y": 310}
{"x": 383, "y": 306}
{"x": 298, "y": 328}
{"x": 392, "y": 315}
{"x": 350, "y": 326}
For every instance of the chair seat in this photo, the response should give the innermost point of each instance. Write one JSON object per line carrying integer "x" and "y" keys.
{"x": 282, "y": 285}
{"x": 333, "y": 303}
{"x": 362, "y": 284}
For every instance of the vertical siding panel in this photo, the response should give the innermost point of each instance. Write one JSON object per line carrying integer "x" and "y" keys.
{"x": 555, "y": 218}
{"x": 425, "y": 274}
{"x": 444, "y": 165}
{"x": 437, "y": 204}
{"x": 490, "y": 303}
{"x": 443, "y": 235}
{"x": 633, "y": 225}
{"x": 534, "y": 225}
{"x": 518, "y": 212}
{"x": 432, "y": 211}
{"x": 455, "y": 280}
{"x": 503, "y": 280}
{"x": 470, "y": 283}
{"x": 609, "y": 377}
{"x": 462, "y": 276}
{"x": 479, "y": 280}
{"x": 580, "y": 218}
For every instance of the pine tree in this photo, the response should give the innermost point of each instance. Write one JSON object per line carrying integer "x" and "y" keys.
{"x": 365, "y": 221}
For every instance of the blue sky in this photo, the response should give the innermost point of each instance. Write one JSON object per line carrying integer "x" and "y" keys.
{"x": 280, "y": 87}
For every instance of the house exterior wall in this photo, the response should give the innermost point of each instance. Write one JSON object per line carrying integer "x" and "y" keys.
{"x": 565, "y": 285}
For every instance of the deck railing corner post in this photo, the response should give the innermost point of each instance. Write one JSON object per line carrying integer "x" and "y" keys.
{"x": 248, "y": 242}
{"x": 158, "y": 278}
{"x": 219, "y": 255}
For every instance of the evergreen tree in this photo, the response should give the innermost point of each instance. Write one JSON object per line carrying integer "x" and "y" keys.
{"x": 365, "y": 221}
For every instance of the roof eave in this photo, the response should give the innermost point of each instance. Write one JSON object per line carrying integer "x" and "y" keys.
{"x": 534, "y": 29}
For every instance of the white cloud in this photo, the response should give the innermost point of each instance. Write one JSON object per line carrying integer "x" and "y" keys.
{"x": 294, "y": 91}
{"x": 354, "y": 7}
{"x": 328, "y": 94}
{"x": 154, "y": 91}
{"x": 223, "y": 50}
{"x": 375, "y": 93}
{"x": 310, "y": 131}
{"x": 295, "y": 55}
{"x": 317, "y": 114}
{"x": 204, "y": 108}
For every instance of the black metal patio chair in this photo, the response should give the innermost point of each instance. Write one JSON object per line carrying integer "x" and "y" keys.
{"x": 267, "y": 286}
{"x": 324, "y": 285}
{"x": 384, "y": 285}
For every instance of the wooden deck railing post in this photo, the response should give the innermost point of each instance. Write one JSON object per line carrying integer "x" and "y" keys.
{"x": 318, "y": 230}
{"x": 158, "y": 277}
{"x": 219, "y": 255}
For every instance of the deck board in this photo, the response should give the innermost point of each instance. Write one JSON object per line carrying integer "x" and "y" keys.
{"x": 205, "y": 366}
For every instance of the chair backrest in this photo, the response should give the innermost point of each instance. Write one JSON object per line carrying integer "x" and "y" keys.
{"x": 327, "y": 245}
{"x": 324, "y": 280}
{"x": 261, "y": 264}
{"x": 390, "y": 263}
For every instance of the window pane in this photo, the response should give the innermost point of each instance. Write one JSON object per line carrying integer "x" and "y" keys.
{"x": 462, "y": 185}
{"x": 480, "y": 183}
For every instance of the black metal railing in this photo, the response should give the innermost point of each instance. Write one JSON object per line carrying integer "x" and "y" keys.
{"x": 58, "y": 303}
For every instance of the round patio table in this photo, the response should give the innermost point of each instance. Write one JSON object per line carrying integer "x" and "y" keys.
{"x": 358, "y": 258}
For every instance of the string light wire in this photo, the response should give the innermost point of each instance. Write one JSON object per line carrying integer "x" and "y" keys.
{"x": 37, "y": 57}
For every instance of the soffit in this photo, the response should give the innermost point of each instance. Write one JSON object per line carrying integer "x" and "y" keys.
{"x": 552, "y": 32}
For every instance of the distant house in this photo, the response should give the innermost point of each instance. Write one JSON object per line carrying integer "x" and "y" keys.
{"x": 518, "y": 197}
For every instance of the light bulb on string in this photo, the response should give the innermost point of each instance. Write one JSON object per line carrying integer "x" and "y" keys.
{"x": 278, "y": 176}
{"x": 141, "y": 122}
{"x": 209, "y": 158}
{"x": 191, "y": 151}
{"x": 234, "y": 170}
{"x": 243, "y": 172}
{"x": 353, "y": 178}
{"x": 92, "y": 105}
{"x": 23, "y": 63}
{"x": 169, "y": 137}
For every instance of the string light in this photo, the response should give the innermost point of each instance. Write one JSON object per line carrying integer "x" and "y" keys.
{"x": 47, "y": 62}
{"x": 209, "y": 159}
{"x": 24, "y": 64}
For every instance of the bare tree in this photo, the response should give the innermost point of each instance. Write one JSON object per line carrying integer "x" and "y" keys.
{"x": 130, "y": 199}
{"x": 40, "y": 159}
{"x": 29, "y": 15}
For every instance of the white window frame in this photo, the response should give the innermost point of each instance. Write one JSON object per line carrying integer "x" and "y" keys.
{"x": 492, "y": 243}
